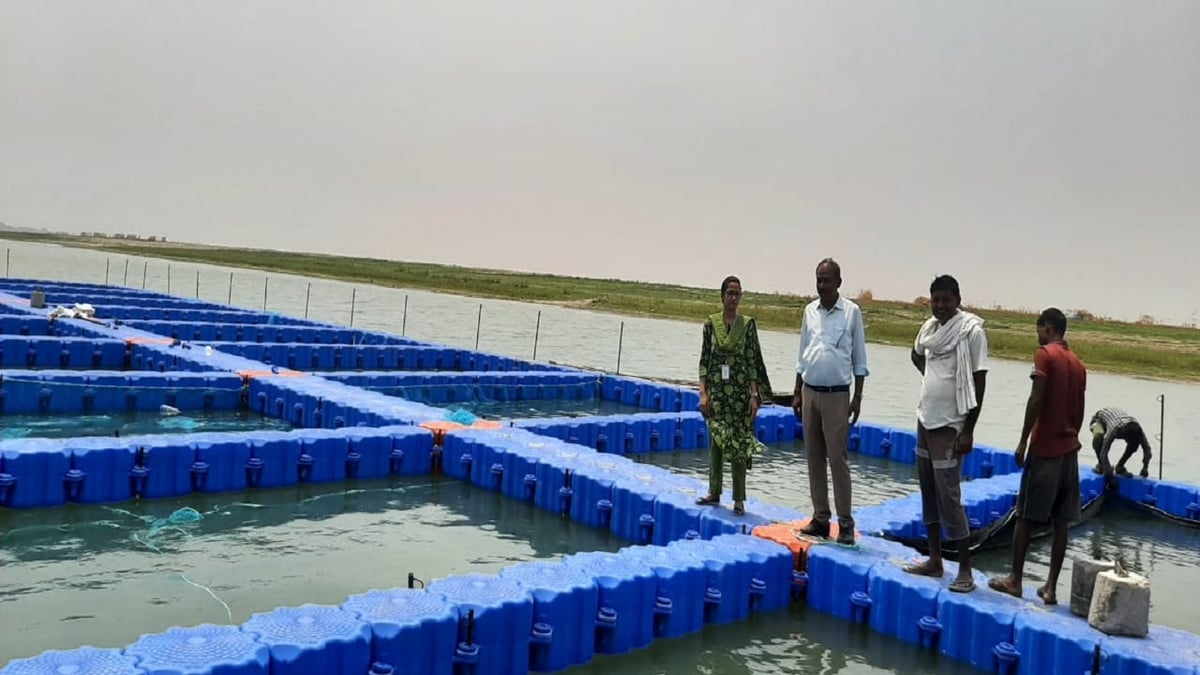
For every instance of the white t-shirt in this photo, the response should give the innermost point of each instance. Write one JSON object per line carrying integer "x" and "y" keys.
{"x": 938, "y": 406}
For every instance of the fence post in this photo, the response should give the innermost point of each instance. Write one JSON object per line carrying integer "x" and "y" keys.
{"x": 620, "y": 344}
{"x": 197, "y": 284}
{"x": 106, "y": 262}
{"x": 230, "y": 300}
{"x": 125, "y": 279}
{"x": 145, "y": 266}
{"x": 7, "y": 253}
{"x": 168, "y": 278}
{"x": 404, "y": 321}
{"x": 478, "y": 323}
{"x": 307, "y": 295}
{"x": 536, "y": 330}
{"x": 1162, "y": 415}
{"x": 353, "y": 295}
{"x": 265, "y": 281}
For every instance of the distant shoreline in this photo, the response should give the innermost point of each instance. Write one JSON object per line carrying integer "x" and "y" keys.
{"x": 1143, "y": 350}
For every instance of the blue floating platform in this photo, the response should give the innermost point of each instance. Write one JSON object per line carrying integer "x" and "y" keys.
{"x": 313, "y": 639}
{"x": 410, "y": 628}
{"x": 495, "y": 621}
{"x": 81, "y": 661}
{"x": 566, "y": 604}
{"x": 206, "y": 649}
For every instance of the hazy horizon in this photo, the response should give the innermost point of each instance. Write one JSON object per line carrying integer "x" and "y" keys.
{"x": 1044, "y": 154}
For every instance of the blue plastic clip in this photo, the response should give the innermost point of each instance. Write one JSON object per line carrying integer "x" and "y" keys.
{"x": 930, "y": 628}
{"x": 886, "y": 446}
{"x": 1007, "y": 657}
{"x": 254, "y": 467}
{"x": 73, "y": 481}
{"x": 647, "y": 523}
{"x": 353, "y": 459}
{"x": 530, "y": 485}
{"x": 860, "y": 604}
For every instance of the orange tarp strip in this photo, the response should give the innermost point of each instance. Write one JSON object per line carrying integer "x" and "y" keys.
{"x": 148, "y": 341}
{"x": 789, "y": 535}
{"x": 268, "y": 373}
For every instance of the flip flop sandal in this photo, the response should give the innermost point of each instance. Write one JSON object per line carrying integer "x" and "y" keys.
{"x": 959, "y": 586}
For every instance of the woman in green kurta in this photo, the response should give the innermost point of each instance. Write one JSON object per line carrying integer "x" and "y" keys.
{"x": 732, "y": 375}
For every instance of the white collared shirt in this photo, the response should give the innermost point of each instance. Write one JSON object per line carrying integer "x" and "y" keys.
{"x": 833, "y": 344}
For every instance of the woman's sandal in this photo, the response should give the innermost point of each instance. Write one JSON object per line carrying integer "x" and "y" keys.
{"x": 739, "y": 510}
{"x": 707, "y": 500}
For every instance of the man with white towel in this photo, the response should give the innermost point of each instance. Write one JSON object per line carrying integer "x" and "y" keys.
{"x": 951, "y": 354}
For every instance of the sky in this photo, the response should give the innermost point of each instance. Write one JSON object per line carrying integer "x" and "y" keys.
{"x": 1045, "y": 153}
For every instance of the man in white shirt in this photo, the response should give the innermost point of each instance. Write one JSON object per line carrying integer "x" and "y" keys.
{"x": 951, "y": 353}
{"x": 833, "y": 351}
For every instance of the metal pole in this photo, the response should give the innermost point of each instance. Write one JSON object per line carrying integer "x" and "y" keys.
{"x": 404, "y": 321}
{"x": 1162, "y": 414}
{"x": 620, "y": 344}
{"x": 145, "y": 264}
{"x": 168, "y": 279}
{"x": 265, "y": 281}
{"x": 230, "y": 300}
{"x": 353, "y": 293}
{"x": 307, "y": 295}
{"x": 478, "y": 323}
{"x": 7, "y": 253}
{"x": 106, "y": 261}
{"x": 536, "y": 330}
{"x": 125, "y": 279}
{"x": 197, "y": 283}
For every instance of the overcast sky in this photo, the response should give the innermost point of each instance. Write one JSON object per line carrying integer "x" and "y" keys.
{"x": 1046, "y": 153}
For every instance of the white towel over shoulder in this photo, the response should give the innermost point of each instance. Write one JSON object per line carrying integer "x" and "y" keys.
{"x": 939, "y": 339}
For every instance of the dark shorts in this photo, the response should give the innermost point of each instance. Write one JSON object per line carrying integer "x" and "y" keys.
{"x": 1050, "y": 489}
{"x": 939, "y": 470}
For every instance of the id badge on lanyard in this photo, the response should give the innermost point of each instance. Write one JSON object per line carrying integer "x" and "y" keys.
{"x": 725, "y": 372}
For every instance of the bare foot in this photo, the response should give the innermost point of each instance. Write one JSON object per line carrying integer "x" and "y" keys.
{"x": 1047, "y": 595}
{"x": 925, "y": 569}
{"x": 1005, "y": 585}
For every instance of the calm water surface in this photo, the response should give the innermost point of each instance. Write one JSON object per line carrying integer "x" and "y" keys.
{"x": 104, "y": 575}
{"x": 456, "y": 531}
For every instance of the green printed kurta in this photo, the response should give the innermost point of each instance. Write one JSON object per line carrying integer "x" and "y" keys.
{"x": 731, "y": 431}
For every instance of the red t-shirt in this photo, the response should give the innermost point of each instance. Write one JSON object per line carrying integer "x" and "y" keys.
{"x": 1056, "y": 431}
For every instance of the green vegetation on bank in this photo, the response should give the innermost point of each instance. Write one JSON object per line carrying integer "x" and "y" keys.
{"x": 1140, "y": 349}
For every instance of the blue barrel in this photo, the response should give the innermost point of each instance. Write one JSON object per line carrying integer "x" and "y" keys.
{"x": 1164, "y": 650}
{"x": 628, "y": 590}
{"x": 717, "y": 521}
{"x": 82, "y": 661}
{"x": 502, "y": 623}
{"x": 974, "y": 625}
{"x": 728, "y": 576}
{"x": 1054, "y": 641}
{"x": 837, "y": 579}
{"x": 313, "y": 639}
{"x": 771, "y": 567}
{"x": 592, "y": 484}
{"x": 565, "y": 606}
{"x": 633, "y": 506}
{"x": 680, "y": 587}
{"x": 413, "y": 631}
{"x": 676, "y": 514}
{"x": 905, "y": 605}
{"x": 206, "y": 648}
{"x": 518, "y": 472}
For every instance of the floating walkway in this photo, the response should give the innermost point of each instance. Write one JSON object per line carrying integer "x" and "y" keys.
{"x": 686, "y": 566}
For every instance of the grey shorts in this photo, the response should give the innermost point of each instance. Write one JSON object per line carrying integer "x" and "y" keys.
{"x": 939, "y": 470}
{"x": 1050, "y": 489}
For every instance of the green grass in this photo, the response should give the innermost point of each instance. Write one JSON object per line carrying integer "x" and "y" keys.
{"x": 1167, "y": 352}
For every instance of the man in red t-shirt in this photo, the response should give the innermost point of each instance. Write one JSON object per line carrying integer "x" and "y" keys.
{"x": 1050, "y": 480}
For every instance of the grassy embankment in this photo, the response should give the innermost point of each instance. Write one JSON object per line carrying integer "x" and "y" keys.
{"x": 1166, "y": 352}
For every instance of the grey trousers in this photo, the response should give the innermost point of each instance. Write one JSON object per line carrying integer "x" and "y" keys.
{"x": 826, "y": 430}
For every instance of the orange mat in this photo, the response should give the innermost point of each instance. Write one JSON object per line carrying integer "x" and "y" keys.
{"x": 789, "y": 535}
